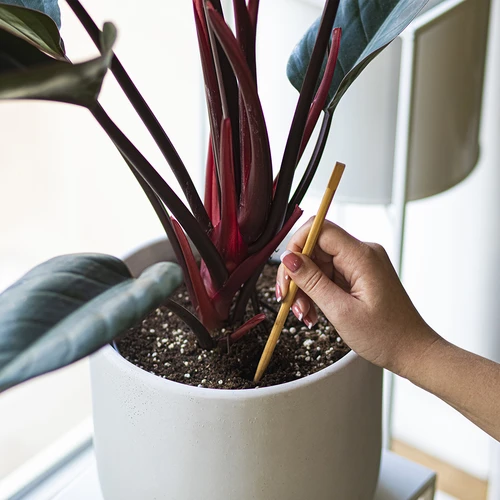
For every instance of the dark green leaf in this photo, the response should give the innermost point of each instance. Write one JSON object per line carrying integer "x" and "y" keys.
{"x": 60, "y": 81}
{"x": 368, "y": 26}
{"x": 16, "y": 54}
{"x": 49, "y": 7}
{"x": 33, "y": 27}
{"x": 50, "y": 292}
{"x": 70, "y": 306}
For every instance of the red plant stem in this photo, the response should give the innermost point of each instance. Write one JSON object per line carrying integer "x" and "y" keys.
{"x": 289, "y": 162}
{"x": 226, "y": 81}
{"x": 166, "y": 222}
{"x": 245, "y": 151}
{"x": 253, "y": 11}
{"x": 313, "y": 164}
{"x": 158, "y": 206}
{"x": 228, "y": 194}
{"x": 245, "y": 33}
{"x": 198, "y": 293}
{"x": 212, "y": 191}
{"x": 254, "y": 210}
{"x": 214, "y": 103}
{"x": 248, "y": 267}
{"x": 322, "y": 93}
{"x": 230, "y": 243}
{"x": 207, "y": 250}
{"x": 217, "y": 64}
{"x": 240, "y": 332}
{"x": 202, "y": 334}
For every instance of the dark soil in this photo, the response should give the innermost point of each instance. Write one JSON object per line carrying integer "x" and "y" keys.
{"x": 165, "y": 346}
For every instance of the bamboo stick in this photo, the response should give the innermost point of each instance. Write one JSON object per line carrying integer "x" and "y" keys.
{"x": 311, "y": 240}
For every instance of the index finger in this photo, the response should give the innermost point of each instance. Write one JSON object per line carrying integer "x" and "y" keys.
{"x": 333, "y": 240}
{"x": 335, "y": 246}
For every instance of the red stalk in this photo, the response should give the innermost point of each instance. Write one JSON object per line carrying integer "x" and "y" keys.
{"x": 245, "y": 151}
{"x": 214, "y": 103}
{"x": 245, "y": 33}
{"x": 226, "y": 235}
{"x": 253, "y": 11}
{"x": 229, "y": 240}
{"x": 240, "y": 332}
{"x": 254, "y": 208}
{"x": 212, "y": 204}
{"x": 322, "y": 93}
{"x": 290, "y": 155}
{"x": 196, "y": 288}
{"x": 222, "y": 299}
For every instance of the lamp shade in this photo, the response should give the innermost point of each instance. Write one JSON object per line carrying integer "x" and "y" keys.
{"x": 450, "y": 55}
{"x": 443, "y": 96}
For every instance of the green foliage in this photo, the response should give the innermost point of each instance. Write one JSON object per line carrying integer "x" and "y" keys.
{"x": 49, "y": 7}
{"x": 27, "y": 72}
{"x": 70, "y": 306}
{"x": 368, "y": 26}
{"x": 32, "y": 27}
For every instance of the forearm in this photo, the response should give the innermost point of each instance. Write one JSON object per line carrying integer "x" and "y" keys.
{"x": 469, "y": 383}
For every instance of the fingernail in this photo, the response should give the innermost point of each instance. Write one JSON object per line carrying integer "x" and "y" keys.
{"x": 279, "y": 295}
{"x": 308, "y": 323}
{"x": 298, "y": 312}
{"x": 291, "y": 261}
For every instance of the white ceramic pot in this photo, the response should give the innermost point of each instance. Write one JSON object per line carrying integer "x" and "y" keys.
{"x": 317, "y": 438}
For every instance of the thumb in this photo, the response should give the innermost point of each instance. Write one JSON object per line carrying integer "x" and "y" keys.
{"x": 328, "y": 296}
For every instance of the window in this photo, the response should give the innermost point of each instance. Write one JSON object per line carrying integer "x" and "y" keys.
{"x": 64, "y": 188}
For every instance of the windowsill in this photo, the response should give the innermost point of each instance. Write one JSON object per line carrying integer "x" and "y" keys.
{"x": 76, "y": 479}
{"x": 44, "y": 475}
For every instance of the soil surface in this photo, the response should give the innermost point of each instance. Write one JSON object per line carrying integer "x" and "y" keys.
{"x": 163, "y": 345}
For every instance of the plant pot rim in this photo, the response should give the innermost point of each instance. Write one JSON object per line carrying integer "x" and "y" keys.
{"x": 120, "y": 363}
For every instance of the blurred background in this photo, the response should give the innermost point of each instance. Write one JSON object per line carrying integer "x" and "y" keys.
{"x": 419, "y": 134}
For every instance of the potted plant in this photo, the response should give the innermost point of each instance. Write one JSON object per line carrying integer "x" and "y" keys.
{"x": 317, "y": 436}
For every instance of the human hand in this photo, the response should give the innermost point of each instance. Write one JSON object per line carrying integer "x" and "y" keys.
{"x": 358, "y": 290}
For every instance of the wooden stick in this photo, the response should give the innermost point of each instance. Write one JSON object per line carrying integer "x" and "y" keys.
{"x": 311, "y": 240}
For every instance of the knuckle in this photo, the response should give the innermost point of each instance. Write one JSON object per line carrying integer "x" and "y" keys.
{"x": 379, "y": 253}
{"x": 364, "y": 257}
{"x": 314, "y": 283}
{"x": 377, "y": 248}
{"x": 371, "y": 251}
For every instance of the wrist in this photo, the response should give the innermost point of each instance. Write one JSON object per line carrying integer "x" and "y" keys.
{"x": 414, "y": 353}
